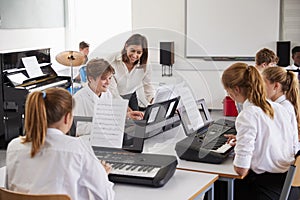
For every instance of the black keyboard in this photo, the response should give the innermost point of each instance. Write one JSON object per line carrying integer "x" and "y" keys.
{"x": 138, "y": 168}
{"x": 209, "y": 147}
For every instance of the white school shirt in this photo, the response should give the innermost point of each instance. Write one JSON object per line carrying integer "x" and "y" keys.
{"x": 289, "y": 107}
{"x": 64, "y": 165}
{"x": 85, "y": 101}
{"x": 293, "y": 66}
{"x": 291, "y": 110}
{"x": 264, "y": 144}
{"x": 125, "y": 82}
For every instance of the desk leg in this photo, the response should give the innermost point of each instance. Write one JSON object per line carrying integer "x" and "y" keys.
{"x": 230, "y": 185}
{"x": 210, "y": 193}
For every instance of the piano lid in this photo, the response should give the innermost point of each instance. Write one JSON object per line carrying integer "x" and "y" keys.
{"x": 12, "y": 60}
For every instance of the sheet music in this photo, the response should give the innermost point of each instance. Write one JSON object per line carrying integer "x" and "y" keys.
{"x": 17, "y": 78}
{"x": 163, "y": 93}
{"x": 32, "y": 66}
{"x": 109, "y": 122}
{"x": 191, "y": 108}
{"x": 166, "y": 92}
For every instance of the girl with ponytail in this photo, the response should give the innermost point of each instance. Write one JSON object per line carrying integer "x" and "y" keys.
{"x": 283, "y": 87}
{"x": 46, "y": 160}
{"x": 262, "y": 131}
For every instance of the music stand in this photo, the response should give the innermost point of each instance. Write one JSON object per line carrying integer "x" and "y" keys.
{"x": 70, "y": 59}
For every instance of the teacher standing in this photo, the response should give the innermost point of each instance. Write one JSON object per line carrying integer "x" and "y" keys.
{"x": 132, "y": 71}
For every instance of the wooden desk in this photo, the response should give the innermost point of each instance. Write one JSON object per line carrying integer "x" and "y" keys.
{"x": 183, "y": 185}
{"x": 165, "y": 144}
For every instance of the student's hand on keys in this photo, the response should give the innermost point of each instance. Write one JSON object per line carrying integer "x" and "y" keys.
{"x": 106, "y": 166}
{"x": 137, "y": 115}
{"x": 231, "y": 139}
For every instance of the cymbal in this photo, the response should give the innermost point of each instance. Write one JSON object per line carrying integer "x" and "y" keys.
{"x": 69, "y": 58}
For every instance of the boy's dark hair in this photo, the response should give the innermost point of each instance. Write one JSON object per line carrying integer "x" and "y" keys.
{"x": 83, "y": 45}
{"x": 296, "y": 49}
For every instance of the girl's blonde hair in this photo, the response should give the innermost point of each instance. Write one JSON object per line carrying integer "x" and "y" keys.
{"x": 251, "y": 84}
{"x": 289, "y": 84}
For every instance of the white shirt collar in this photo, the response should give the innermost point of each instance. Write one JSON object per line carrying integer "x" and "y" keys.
{"x": 247, "y": 103}
{"x": 91, "y": 92}
{"x": 280, "y": 99}
{"x": 54, "y": 131}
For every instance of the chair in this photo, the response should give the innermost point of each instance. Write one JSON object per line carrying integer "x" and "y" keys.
{"x": 7, "y": 194}
{"x": 292, "y": 178}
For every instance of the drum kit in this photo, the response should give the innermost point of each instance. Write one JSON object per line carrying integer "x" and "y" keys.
{"x": 70, "y": 59}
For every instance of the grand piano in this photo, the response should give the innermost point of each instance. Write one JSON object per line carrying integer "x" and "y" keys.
{"x": 13, "y": 92}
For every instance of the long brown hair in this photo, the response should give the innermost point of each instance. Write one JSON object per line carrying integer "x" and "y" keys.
{"x": 289, "y": 85}
{"x": 43, "y": 108}
{"x": 136, "y": 39}
{"x": 248, "y": 79}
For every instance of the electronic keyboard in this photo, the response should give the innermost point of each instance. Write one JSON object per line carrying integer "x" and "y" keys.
{"x": 210, "y": 146}
{"x": 137, "y": 168}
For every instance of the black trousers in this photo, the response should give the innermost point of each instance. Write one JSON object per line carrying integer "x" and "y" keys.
{"x": 133, "y": 102}
{"x": 266, "y": 186}
{"x": 294, "y": 193}
{"x": 247, "y": 188}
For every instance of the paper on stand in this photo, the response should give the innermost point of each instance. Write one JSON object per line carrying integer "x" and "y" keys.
{"x": 32, "y": 66}
{"x": 191, "y": 108}
{"x": 166, "y": 92}
{"x": 109, "y": 122}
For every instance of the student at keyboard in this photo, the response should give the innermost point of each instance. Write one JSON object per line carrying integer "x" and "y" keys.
{"x": 99, "y": 73}
{"x": 46, "y": 160}
{"x": 283, "y": 87}
{"x": 265, "y": 141}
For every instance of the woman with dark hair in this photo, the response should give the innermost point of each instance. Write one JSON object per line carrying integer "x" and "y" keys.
{"x": 132, "y": 71}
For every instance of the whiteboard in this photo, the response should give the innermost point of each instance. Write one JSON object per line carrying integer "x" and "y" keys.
{"x": 232, "y": 28}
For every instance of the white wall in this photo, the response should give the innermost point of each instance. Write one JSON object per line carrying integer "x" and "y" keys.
{"x": 53, "y": 38}
{"x": 96, "y": 21}
{"x": 165, "y": 21}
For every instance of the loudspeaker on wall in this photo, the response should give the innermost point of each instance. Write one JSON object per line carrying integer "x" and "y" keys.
{"x": 283, "y": 53}
{"x": 167, "y": 53}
